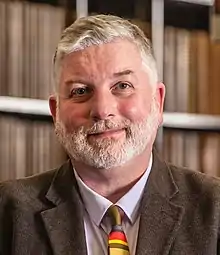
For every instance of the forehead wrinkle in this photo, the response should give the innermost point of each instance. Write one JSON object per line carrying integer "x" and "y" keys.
{"x": 76, "y": 69}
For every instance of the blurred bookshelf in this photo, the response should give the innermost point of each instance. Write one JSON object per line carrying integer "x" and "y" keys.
{"x": 190, "y": 60}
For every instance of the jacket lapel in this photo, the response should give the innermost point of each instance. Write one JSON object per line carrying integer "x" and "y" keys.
{"x": 64, "y": 221}
{"x": 160, "y": 216}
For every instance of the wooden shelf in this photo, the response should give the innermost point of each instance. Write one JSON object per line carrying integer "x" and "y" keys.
{"x": 201, "y": 2}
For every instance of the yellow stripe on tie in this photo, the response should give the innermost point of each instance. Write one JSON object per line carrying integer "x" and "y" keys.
{"x": 117, "y": 241}
{"x": 117, "y": 251}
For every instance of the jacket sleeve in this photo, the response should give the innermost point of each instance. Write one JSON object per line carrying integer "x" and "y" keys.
{"x": 5, "y": 221}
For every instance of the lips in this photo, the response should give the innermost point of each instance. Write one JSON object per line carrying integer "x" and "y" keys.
{"x": 107, "y": 133}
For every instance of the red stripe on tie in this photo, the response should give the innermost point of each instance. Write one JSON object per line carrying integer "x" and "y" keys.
{"x": 118, "y": 236}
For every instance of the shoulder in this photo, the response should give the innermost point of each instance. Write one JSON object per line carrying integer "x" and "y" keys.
{"x": 28, "y": 189}
{"x": 195, "y": 183}
{"x": 26, "y": 182}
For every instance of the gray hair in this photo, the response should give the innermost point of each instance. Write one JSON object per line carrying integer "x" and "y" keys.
{"x": 99, "y": 29}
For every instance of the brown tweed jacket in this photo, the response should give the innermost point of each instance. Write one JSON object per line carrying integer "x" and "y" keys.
{"x": 43, "y": 214}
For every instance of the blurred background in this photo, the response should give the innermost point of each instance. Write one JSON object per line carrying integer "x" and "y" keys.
{"x": 186, "y": 42}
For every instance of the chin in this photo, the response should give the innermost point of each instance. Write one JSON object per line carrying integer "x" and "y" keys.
{"x": 105, "y": 158}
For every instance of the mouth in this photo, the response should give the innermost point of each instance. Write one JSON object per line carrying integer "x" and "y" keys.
{"x": 110, "y": 133}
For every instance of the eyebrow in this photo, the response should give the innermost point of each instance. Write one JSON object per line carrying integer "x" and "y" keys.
{"x": 70, "y": 82}
{"x": 125, "y": 72}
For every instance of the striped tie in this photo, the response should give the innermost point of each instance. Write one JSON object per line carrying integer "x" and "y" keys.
{"x": 117, "y": 242}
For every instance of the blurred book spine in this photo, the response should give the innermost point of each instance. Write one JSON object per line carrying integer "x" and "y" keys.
{"x": 29, "y": 33}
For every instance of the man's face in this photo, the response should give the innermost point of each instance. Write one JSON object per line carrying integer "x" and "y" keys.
{"x": 107, "y": 113}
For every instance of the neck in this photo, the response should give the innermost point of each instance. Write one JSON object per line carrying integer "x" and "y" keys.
{"x": 116, "y": 182}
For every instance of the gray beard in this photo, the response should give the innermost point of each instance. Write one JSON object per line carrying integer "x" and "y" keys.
{"x": 108, "y": 153}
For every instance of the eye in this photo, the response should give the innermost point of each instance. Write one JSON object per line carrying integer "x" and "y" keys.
{"x": 122, "y": 86}
{"x": 80, "y": 91}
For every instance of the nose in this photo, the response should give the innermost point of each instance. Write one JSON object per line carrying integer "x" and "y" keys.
{"x": 103, "y": 106}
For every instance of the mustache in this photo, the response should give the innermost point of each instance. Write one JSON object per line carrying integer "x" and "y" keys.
{"x": 106, "y": 125}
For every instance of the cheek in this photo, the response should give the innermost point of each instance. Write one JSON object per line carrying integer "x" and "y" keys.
{"x": 135, "y": 109}
{"x": 72, "y": 116}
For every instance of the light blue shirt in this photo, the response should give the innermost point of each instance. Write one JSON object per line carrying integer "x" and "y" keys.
{"x": 97, "y": 228}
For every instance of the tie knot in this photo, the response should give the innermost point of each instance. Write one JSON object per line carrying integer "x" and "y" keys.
{"x": 116, "y": 214}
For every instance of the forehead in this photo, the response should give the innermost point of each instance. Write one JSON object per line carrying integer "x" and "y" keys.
{"x": 105, "y": 58}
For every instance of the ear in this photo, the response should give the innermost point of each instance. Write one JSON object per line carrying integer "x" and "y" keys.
{"x": 161, "y": 91}
{"x": 53, "y": 106}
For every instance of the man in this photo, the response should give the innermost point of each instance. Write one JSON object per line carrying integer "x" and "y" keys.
{"x": 107, "y": 108}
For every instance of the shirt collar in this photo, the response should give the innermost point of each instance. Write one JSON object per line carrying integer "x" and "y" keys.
{"x": 97, "y": 205}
